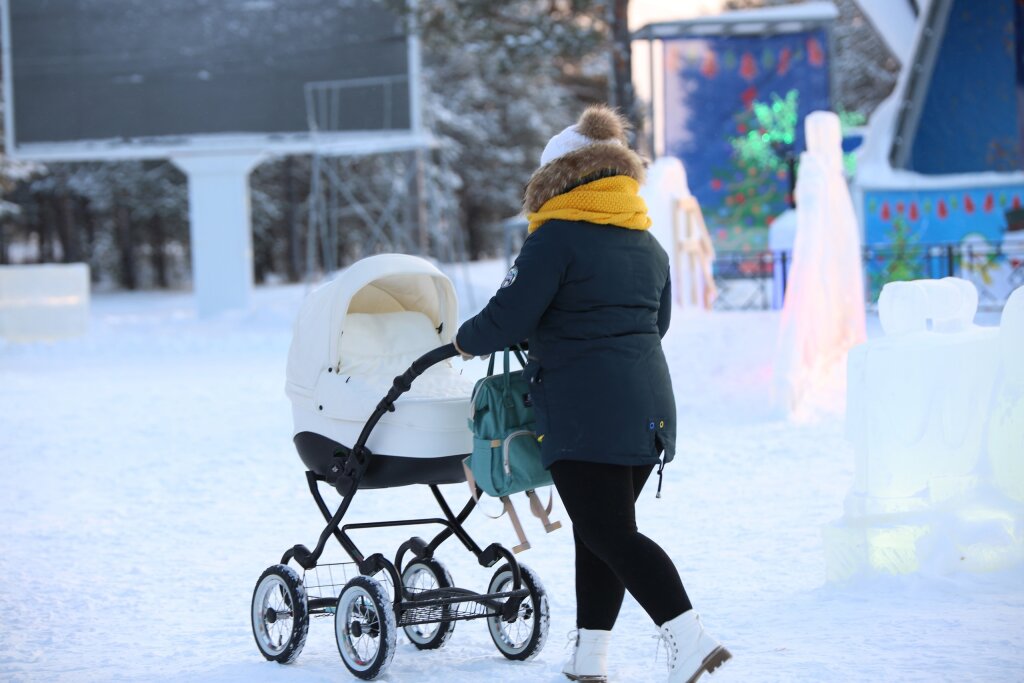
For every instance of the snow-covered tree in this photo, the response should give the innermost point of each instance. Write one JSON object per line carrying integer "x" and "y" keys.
{"x": 501, "y": 79}
{"x": 11, "y": 173}
{"x": 279, "y": 193}
{"x": 127, "y": 220}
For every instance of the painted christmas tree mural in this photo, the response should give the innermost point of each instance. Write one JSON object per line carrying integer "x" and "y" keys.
{"x": 931, "y": 233}
{"x": 902, "y": 260}
{"x": 765, "y": 136}
{"x": 734, "y": 107}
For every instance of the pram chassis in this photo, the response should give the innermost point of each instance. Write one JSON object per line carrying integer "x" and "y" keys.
{"x": 443, "y": 605}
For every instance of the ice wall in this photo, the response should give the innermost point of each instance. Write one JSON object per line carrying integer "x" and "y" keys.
{"x": 935, "y": 412}
{"x": 43, "y": 302}
{"x": 823, "y": 312}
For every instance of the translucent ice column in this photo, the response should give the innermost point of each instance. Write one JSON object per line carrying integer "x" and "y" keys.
{"x": 1006, "y": 428}
{"x": 823, "y": 312}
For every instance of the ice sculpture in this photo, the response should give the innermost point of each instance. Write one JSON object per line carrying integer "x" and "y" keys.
{"x": 935, "y": 412}
{"x": 43, "y": 302}
{"x": 1006, "y": 426}
{"x": 823, "y": 312}
{"x": 948, "y": 305}
{"x": 781, "y": 235}
{"x": 678, "y": 224}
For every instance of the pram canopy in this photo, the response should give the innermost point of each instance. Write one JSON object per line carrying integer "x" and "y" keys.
{"x": 356, "y": 333}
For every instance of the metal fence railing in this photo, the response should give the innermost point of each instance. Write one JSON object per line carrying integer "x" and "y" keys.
{"x": 758, "y": 280}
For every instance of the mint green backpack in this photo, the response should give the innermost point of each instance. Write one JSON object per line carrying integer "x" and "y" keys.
{"x": 506, "y": 455}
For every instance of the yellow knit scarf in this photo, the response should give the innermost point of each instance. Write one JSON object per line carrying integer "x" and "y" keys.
{"x": 608, "y": 201}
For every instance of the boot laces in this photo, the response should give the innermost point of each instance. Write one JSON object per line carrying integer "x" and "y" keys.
{"x": 671, "y": 648}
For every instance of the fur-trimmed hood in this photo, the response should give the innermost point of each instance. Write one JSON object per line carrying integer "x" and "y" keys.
{"x": 605, "y": 152}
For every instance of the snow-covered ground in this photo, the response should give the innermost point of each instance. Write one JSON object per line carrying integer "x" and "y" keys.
{"x": 147, "y": 478}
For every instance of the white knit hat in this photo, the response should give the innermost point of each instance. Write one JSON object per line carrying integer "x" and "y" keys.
{"x": 596, "y": 144}
{"x": 569, "y": 140}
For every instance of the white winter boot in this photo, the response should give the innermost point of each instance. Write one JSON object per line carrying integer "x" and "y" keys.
{"x": 589, "y": 661}
{"x": 691, "y": 651}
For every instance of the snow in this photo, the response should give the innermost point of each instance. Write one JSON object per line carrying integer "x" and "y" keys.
{"x": 148, "y": 480}
{"x": 797, "y": 12}
{"x": 895, "y": 22}
{"x": 224, "y": 144}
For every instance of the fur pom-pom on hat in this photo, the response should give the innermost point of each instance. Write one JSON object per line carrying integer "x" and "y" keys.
{"x": 603, "y": 123}
{"x": 595, "y": 145}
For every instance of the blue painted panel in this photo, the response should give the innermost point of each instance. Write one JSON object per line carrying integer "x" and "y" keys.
{"x": 938, "y": 216}
{"x": 710, "y": 85}
{"x": 971, "y": 121}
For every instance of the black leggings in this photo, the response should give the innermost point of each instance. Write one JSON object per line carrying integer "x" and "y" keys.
{"x": 611, "y": 555}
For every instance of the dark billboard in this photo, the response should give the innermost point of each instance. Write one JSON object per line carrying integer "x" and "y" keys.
{"x": 140, "y": 69}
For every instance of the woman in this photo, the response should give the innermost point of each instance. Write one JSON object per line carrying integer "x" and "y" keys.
{"x": 591, "y": 291}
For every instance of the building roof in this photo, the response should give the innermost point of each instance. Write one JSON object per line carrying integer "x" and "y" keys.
{"x": 782, "y": 19}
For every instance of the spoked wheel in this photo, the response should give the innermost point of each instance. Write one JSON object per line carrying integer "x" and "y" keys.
{"x": 524, "y": 637}
{"x": 364, "y": 627}
{"x": 426, "y": 575}
{"x": 280, "y": 614}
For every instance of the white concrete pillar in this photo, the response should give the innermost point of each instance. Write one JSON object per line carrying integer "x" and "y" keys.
{"x": 220, "y": 226}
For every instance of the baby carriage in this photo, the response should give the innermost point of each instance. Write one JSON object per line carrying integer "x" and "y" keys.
{"x": 385, "y": 328}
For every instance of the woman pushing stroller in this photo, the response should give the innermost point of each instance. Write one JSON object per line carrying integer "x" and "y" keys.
{"x": 591, "y": 292}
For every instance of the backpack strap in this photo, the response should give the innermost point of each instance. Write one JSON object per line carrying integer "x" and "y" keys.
{"x": 473, "y": 488}
{"x": 541, "y": 512}
{"x": 507, "y": 508}
{"x": 511, "y": 510}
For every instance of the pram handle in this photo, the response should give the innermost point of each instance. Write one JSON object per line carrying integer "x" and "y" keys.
{"x": 404, "y": 381}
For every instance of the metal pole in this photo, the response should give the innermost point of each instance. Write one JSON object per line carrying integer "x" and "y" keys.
{"x": 421, "y": 202}
{"x": 785, "y": 274}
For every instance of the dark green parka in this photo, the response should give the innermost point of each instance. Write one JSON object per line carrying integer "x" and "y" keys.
{"x": 594, "y": 302}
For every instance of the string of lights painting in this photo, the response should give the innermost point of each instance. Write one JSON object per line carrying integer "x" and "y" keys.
{"x": 734, "y": 110}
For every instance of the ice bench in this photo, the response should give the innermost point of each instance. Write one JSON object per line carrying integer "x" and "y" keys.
{"x": 935, "y": 413}
{"x": 43, "y": 302}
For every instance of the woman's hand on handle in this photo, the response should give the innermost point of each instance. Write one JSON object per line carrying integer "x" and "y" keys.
{"x": 465, "y": 356}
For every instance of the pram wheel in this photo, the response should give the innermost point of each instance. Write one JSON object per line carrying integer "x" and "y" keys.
{"x": 418, "y": 577}
{"x": 280, "y": 614}
{"x": 524, "y": 637}
{"x": 364, "y": 627}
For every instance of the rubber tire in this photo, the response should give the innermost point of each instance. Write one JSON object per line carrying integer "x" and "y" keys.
{"x": 300, "y": 613}
{"x": 445, "y": 628}
{"x": 538, "y": 605}
{"x": 386, "y": 618}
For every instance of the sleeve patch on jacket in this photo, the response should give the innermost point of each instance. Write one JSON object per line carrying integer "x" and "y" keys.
{"x": 510, "y": 278}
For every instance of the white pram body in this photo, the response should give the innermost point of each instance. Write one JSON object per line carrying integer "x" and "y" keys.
{"x": 354, "y": 335}
{"x": 376, "y": 405}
